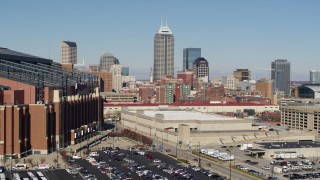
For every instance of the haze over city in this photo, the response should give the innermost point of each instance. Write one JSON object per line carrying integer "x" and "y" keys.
{"x": 232, "y": 34}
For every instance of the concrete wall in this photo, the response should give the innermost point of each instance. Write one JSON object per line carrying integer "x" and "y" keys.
{"x": 205, "y": 109}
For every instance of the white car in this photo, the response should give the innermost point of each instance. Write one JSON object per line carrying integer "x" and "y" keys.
{"x": 157, "y": 161}
{"x": 266, "y": 168}
{"x": 76, "y": 157}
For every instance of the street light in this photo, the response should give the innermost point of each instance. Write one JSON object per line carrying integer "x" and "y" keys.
{"x": 162, "y": 141}
{"x": 229, "y": 163}
{"x": 57, "y": 153}
{"x": 199, "y": 158}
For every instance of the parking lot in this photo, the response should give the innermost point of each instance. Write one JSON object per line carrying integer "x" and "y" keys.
{"x": 279, "y": 168}
{"x": 126, "y": 164}
{"x": 47, "y": 174}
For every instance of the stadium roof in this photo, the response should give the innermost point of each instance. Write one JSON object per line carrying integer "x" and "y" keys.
{"x": 186, "y": 115}
{"x": 11, "y": 55}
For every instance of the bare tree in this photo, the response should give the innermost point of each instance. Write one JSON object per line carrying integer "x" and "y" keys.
{"x": 30, "y": 161}
{"x": 42, "y": 160}
{"x": 16, "y": 161}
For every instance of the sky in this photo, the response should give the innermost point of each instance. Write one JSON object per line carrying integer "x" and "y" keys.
{"x": 232, "y": 34}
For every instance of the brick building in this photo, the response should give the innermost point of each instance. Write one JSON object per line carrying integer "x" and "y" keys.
{"x": 45, "y": 106}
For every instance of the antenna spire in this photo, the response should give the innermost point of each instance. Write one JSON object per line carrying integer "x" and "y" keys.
{"x": 166, "y": 22}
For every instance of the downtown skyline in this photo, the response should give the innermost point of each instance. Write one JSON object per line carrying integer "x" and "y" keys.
{"x": 231, "y": 34}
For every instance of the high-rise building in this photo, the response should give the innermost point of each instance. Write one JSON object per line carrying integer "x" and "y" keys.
{"x": 107, "y": 60}
{"x": 163, "y": 64}
{"x": 315, "y": 76}
{"x": 116, "y": 77}
{"x": 189, "y": 55}
{"x": 125, "y": 71}
{"x": 265, "y": 88}
{"x": 242, "y": 74}
{"x": 201, "y": 68}
{"x": 165, "y": 93}
{"x": 280, "y": 74}
{"x": 68, "y": 52}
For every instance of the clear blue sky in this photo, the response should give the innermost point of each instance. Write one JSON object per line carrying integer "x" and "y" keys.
{"x": 232, "y": 34}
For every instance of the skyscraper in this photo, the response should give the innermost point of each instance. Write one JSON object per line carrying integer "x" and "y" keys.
{"x": 314, "y": 76}
{"x": 68, "y": 52}
{"x": 189, "y": 55}
{"x": 107, "y": 60}
{"x": 280, "y": 74}
{"x": 163, "y": 64}
{"x": 201, "y": 68}
{"x": 242, "y": 74}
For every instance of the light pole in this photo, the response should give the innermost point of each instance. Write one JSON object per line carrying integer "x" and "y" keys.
{"x": 57, "y": 153}
{"x": 199, "y": 158}
{"x": 162, "y": 141}
{"x": 229, "y": 163}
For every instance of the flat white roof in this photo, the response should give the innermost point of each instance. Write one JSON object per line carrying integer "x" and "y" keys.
{"x": 187, "y": 115}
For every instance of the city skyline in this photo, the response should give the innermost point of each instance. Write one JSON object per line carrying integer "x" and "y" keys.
{"x": 232, "y": 34}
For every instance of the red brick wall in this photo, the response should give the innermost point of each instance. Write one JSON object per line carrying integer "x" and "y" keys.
{"x": 29, "y": 90}
{"x": 38, "y": 113}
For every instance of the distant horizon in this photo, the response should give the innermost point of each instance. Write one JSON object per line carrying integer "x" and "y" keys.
{"x": 231, "y": 34}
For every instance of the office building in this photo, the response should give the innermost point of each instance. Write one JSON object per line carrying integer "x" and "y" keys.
{"x": 201, "y": 69}
{"x": 107, "y": 60}
{"x": 165, "y": 93}
{"x": 163, "y": 64}
{"x": 280, "y": 74}
{"x": 242, "y": 74}
{"x": 314, "y": 76}
{"x": 265, "y": 88}
{"x": 68, "y": 52}
{"x": 189, "y": 55}
{"x": 229, "y": 82}
{"x": 104, "y": 80}
{"x": 125, "y": 71}
{"x": 116, "y": 77}
{"x": 186, "y": 76}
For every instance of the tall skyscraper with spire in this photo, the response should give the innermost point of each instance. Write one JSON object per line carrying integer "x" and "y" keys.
{"x": 163, "y": 64}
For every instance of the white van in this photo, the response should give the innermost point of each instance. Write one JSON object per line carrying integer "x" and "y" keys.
{"x": 21, "y": 166}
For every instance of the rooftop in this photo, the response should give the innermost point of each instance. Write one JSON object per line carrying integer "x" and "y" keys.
{"x": 15, "y": 56}
{"x": 289, "y": 145}
{"x": 186, "y": 115}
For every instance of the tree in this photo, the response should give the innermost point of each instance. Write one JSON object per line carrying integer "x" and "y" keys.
{"x": 63, "y": 154}
{"x": 42, "y": 160}
{"x": 16, "y": 161}
{"x": 55, "y": 160}
{"x": 30, "y": 161}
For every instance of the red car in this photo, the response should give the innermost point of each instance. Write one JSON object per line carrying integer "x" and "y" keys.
{"x": 148, "y": 156}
